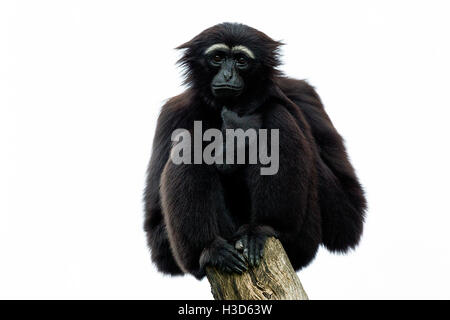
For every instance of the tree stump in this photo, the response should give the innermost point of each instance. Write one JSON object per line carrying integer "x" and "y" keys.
{"x": 273, "y": 279}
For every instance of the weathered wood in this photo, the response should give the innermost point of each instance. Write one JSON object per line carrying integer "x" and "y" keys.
{"x": 273, "y": 279}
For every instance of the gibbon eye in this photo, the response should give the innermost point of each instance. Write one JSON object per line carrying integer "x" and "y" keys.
{"x": 217, "y": 58}
{"x": 241, "y": 60}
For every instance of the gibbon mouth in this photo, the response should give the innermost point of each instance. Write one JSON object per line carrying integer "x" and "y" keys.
{"x": 226, "y": 87}
{"x": 225, "y": 91}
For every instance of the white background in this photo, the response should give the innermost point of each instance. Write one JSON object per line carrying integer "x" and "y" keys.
{"x": 81, "y": 85}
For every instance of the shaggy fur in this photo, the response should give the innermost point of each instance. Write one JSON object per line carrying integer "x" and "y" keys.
{"x": 193, "y": 213}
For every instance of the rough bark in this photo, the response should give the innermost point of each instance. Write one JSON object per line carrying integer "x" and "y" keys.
{"x": 273, "y": 279}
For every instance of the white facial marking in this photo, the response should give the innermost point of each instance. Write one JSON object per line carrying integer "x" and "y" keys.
{"x": 217, "y": 46}
{"x": 243, "y": 49}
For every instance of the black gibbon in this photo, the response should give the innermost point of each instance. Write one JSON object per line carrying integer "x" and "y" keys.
{"x": 207, "y": 214}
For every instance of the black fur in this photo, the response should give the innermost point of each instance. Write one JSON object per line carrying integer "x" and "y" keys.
{"x": 195, "y": 214}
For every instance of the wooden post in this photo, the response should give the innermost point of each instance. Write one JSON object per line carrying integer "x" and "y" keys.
{"x": 273, "y": 279}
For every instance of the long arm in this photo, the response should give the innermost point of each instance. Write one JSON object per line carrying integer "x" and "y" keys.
{"x": 283, "y": 204}
{"x": 186, "y": 219}
{"x": 341, "y": 196}
{"x": 196, "y": 219}
{"x": 157, "y": 237}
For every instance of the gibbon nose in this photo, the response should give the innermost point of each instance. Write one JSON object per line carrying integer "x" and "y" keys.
{"x": 228, "y": 70}
{"x": 227, "y": 74}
